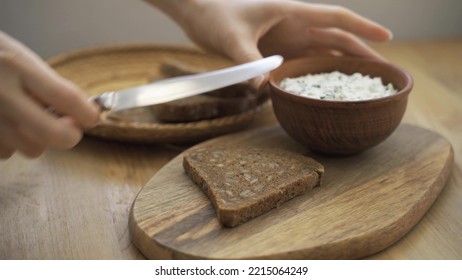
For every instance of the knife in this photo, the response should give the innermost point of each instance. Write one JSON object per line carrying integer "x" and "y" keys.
{"x": 185, "y": 86}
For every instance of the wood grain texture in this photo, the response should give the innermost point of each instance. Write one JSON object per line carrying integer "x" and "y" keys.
{"x": 75, "y": 204}
{"x": 365, "y": 204}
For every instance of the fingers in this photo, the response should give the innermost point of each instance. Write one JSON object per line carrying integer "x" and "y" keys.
{"x": 28, "y": 87}
{"x": 242, "y": 50}
{"x": 5, "y": 151}
{"x": 23, "y": 117}
{"x": 320, "y": 15}
{"x": 340, "y": 40}
{"x": 259, "y": 83}
{"x": 241, "y": 47}
{"x": 45, "y": 85}
{"x": 65, "y": 97}
{"x": 13, "y": 139}
{"x": 35, "y": 123}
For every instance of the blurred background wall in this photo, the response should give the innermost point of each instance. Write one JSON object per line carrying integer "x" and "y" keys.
{"x": 50, "y": 27}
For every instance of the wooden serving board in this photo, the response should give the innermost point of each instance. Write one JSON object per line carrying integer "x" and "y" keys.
{"x": 366, "y": 203}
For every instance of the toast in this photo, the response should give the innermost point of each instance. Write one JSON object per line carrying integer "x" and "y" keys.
{"x": 218, "y": 103}
{"x": 243, "y": 183}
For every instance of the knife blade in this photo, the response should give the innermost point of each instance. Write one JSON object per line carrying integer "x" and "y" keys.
{"x": 181, "y": 87}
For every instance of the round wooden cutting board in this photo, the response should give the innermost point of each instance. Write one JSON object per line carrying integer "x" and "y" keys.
{"x": 366, "y": 203}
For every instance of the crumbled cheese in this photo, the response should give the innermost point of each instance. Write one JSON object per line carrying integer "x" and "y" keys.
{"x": 338, "y": 86}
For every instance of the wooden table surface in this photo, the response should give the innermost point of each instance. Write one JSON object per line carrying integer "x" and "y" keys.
{"x": 75, "y": 204}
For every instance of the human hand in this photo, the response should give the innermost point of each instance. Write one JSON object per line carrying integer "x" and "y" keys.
{"x": 29, "y": 86}
{"x": 246, "y": 30}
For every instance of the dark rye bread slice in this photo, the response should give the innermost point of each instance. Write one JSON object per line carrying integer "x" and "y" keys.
{"x": 243, "y": 183}
{"x": 218, "y": 103}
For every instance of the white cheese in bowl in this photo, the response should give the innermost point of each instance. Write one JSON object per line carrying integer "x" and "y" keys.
{"x": 338, "y": 86}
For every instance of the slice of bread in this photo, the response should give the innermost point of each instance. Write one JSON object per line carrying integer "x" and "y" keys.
{"x": 243, "y": 183}
{"x": 218, "y": 103}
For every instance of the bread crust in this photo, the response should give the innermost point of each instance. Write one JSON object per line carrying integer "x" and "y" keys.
{"x": 245, "y": 183}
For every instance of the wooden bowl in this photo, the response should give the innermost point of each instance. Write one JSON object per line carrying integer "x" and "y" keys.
{"x": 339, "y": 127}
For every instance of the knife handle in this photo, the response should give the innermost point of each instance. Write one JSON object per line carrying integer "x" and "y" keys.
{"x": 104, "y": 100}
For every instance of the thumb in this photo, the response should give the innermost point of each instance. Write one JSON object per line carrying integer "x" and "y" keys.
{"x": 246, "y": 51}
